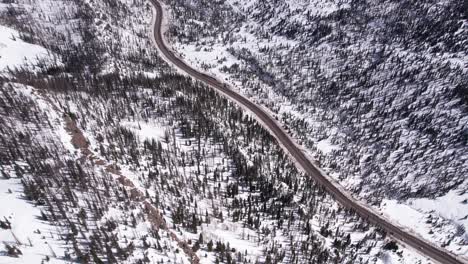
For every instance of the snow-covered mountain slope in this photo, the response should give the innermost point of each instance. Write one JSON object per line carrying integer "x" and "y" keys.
{"x": 27, "y": 120}
{"x": 14, "y": 52}
{"x": 375, "y": 90}
{"x": 23, "y": 229}
{"x": 121, "y": 160}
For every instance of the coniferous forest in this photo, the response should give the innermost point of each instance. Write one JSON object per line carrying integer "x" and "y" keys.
{"x": 110, "y": 155}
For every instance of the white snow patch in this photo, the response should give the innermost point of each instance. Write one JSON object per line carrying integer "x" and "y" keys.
{"x": 326, "y": 146}
{"x": 438, "y": 221}
{"x": 146, "y": 130}
{"x": 15, "y": 53}
{"x": 24, "y": 225}
{"x": 452, "y": 206}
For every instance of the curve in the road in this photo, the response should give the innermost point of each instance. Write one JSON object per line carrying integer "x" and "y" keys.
{"x": 297, "y": 154}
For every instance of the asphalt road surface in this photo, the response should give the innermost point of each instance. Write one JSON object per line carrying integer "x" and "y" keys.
{"x": 422, "y": 246}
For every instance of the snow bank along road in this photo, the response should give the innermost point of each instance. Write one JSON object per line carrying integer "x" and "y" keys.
{"x": 301, "y": 159}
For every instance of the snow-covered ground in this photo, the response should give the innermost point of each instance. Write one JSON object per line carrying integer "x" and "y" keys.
{"x": 15, "y": 53}
{"x": 149, "y": 134}
{"x": 325, "y": 146}
{"x": 224, "y": 53}
{"x": 443, "y": 220}
{"x": 36, "y": 238}
{"x": 147, "y": 130}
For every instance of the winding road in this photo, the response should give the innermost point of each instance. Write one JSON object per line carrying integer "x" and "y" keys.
{"x": 424, "y": 247}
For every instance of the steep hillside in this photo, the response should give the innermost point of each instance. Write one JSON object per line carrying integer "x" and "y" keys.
{"x": 375, "y": 90}
{"x": 109, "y": 156}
